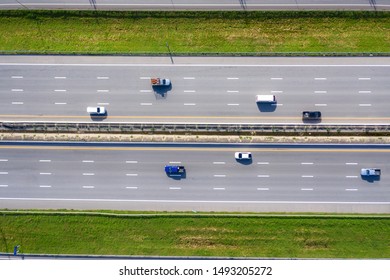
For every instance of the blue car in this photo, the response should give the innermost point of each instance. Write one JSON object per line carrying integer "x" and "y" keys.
{"x": 174, "y": 169}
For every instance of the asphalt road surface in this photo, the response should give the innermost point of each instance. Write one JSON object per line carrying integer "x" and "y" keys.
{"x": 174, "y": 5}
{"x": 309, "y": 178}
{"x": 204, "y": 90}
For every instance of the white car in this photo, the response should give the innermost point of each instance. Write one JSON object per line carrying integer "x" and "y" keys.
{"x": 96, "y": 110}
{"x": 243, "y": 155}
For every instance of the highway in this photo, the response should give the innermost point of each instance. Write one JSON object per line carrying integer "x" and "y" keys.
{"x": 176, "y": 5}
{"x": 308, "y": 178}
{"x": 204, "y": 90}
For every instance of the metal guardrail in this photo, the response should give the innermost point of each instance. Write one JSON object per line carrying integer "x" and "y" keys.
{"x": 202, "y": 129}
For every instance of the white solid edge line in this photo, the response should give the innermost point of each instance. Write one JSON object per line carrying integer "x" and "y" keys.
{"x": 197, "y": 201}
{"x": 190, "y": 65}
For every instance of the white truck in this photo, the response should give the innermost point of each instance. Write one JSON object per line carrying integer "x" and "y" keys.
{"x": 160, "y": 82}
{"x": 370, "y": 172}
{"x": 265, "y": 99}
{"x": 96, "y": 110}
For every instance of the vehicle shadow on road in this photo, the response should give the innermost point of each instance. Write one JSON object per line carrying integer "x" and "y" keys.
{"x": 161, "y": 92}
{"x": 263, "y": 107}
{"x": 178, "y": 176}
{"x": 371, "y": 179}
{"x": 244, "y": 161}
{"x": 311, "y": 121}
{"x": 99, "y": 118}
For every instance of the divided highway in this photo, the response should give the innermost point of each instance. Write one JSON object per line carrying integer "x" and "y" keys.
{"x": 204, "y": 90}
{"x": 174, "y": 5}
{"x": 131, "y": 176}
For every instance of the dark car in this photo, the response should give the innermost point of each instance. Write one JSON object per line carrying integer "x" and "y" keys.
{"x": 311, "y": 115}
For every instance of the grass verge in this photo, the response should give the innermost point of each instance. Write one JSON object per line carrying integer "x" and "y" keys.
{"x": 197, "y": 235}
{"x": 193, "y": 32}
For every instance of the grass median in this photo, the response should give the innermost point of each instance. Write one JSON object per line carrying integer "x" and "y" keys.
{"x": 196, "y": 235}
{"x": 193, "y": 32}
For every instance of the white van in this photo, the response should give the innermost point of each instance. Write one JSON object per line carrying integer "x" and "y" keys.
{"x": 265, "y": 99}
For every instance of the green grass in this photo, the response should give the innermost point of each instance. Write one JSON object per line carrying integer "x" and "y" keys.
{"x": 197, "y": 235}
{"x": 134, "y": 32}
